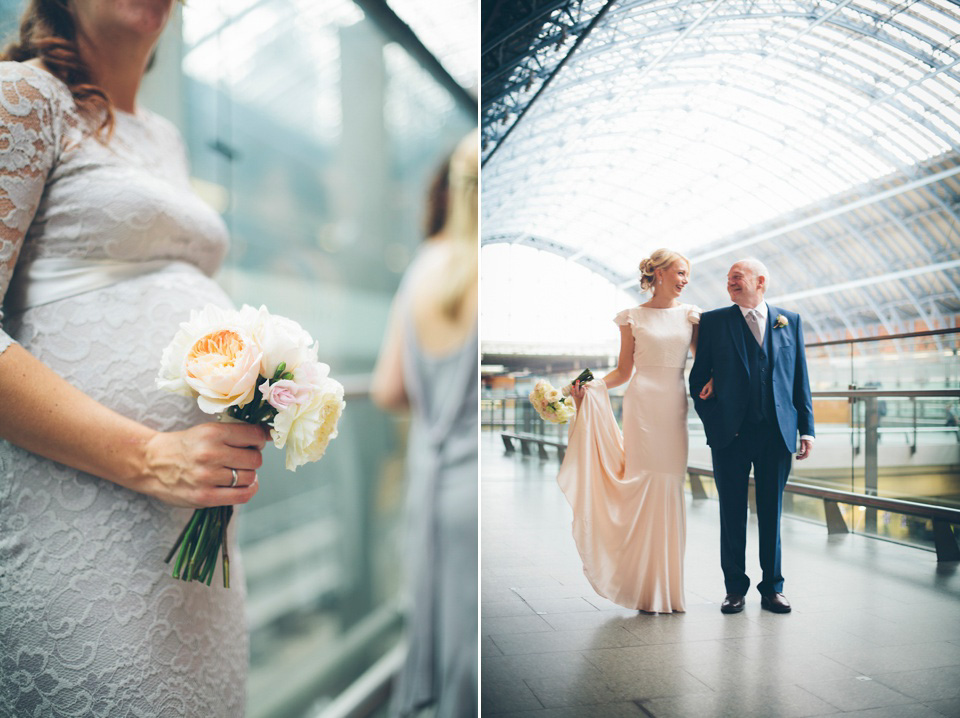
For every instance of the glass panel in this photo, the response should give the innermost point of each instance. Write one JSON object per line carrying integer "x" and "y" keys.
{"x": 900, "y": 447}
{"x": 449, "y": 30}
{"x": 702, "y": 136}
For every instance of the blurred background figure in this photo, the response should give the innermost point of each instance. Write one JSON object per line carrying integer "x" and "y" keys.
{"x": 429, "y": 363}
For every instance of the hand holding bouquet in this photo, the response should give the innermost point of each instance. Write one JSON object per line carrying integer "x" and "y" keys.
{"x": 550, "y": 404}
{"x": 258, "y": 368}
{"x": 584, "y": 376}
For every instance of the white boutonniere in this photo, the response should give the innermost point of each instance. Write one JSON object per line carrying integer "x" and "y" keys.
{"x": 781, "y": 322}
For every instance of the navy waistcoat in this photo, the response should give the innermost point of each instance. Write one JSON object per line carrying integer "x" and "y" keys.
{"x": 760, "y": 406}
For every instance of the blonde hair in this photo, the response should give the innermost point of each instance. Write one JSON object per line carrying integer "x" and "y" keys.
{"x": 659, "y": 259}
{"x": 461, "y": 228}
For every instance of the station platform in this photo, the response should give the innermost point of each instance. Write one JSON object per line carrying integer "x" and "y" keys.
{"x": 874, "y": 632}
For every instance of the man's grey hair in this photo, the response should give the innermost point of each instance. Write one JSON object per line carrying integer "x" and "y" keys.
{"x": 758, "y": 268}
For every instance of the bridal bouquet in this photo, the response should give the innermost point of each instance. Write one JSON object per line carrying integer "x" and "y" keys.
{"x": 550, "y": 404}
{"x": 251, "y": 366}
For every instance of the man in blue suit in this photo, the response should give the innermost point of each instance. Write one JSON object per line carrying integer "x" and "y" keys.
{"x": 759, "y": 400}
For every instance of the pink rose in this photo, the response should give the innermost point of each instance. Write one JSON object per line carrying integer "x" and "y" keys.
{"x": 284, "y": 393}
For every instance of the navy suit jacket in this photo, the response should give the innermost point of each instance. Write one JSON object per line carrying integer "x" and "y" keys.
{"x": 721, "y": 354}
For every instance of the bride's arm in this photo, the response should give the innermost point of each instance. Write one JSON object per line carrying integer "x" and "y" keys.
{"x": 624, "y": 370}
{"x": 45, "y": 414}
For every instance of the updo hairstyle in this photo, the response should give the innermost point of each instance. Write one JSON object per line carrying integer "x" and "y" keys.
{"x": 659, "y": 259}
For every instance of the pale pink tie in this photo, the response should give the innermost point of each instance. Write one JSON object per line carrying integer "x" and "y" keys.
{"x": 753, "y": 321}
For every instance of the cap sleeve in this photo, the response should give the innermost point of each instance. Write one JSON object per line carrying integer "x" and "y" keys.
{"x": 693, "y": 313}
{"x": 625, "y": 318}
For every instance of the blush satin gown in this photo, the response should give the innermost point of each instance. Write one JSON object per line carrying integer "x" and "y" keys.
{"x": 626, "y": 489}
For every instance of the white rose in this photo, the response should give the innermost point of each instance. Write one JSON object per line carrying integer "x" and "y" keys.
{"x": 311, "y": 373}
{"x": 306, "y": 429}
{"x": 282, "y": 341}
{"x": 213, "y": 357}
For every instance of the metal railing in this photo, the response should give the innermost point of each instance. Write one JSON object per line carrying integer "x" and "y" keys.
{"x": 945, "y": 541}
{"x": 915, "y": 476}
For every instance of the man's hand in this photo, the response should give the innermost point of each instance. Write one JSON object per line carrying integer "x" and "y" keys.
{"x": 707, "y": 390}
{"x": 806, "y": 446}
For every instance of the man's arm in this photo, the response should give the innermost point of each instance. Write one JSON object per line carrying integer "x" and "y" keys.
{"x": 702, "y": 369}
{"x": 802, "y": 399}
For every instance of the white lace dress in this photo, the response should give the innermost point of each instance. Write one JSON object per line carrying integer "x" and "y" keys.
{"x": 91, "y": 622}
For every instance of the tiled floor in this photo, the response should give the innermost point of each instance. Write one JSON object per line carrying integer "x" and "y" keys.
{"x": 875, "y": 630}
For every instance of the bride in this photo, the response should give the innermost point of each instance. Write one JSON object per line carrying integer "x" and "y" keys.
{"x": 626, "y": 490}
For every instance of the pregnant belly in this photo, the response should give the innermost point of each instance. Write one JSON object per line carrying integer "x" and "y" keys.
{"x": 108, "y": 342}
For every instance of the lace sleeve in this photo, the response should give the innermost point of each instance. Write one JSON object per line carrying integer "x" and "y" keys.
{"x": 28, "y": 147}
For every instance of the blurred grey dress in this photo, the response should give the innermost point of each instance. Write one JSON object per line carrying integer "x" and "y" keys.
{"x": 441, "y": 666}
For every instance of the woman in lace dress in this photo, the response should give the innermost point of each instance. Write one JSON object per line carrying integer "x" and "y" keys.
{"x": 626, "y": 489}
{"x": 430, "y": 362}
{"x": 103, "y": 251}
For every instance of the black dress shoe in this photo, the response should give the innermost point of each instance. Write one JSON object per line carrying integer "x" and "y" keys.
{"x": 775, "y": 602}
{"x": 733, "y": 603}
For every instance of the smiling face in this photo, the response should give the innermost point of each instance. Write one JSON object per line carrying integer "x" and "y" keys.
{"x": 745, "y": 286}
{"x": 672, "y": 279}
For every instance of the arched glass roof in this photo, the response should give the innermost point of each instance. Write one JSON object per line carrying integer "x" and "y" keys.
{"x": 822, "y": 136}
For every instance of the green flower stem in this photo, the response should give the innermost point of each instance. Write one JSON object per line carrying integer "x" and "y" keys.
{"x": 210, "y": 551}
{"x": 208, "y": 574}
{"x": 213, "y": 554}
{"x": 226, "y": 557}
{"x": 265, "y": 415}
{"x": 203, "y": 540}
{"x": 211, "y": 565}
{"x": 199, "y": 544}
{"x": 204, "y": 556}
{"x": 184, "y": 544}
{"x": 183, "y": 533}
{"x": 192, "y": 568}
